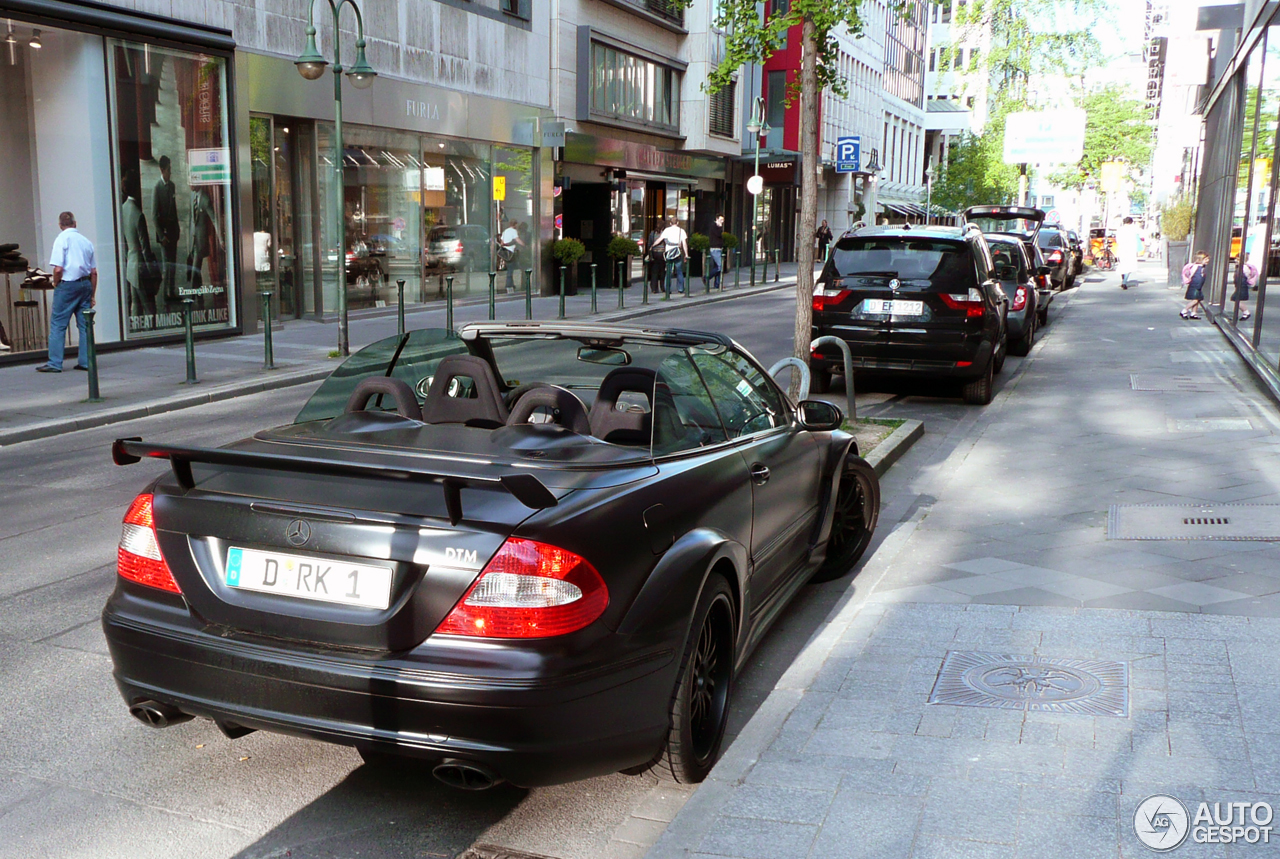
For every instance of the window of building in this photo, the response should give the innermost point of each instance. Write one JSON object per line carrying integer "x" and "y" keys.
{"x": 633, "y": 89}
{"x": 518, "y": 8}
{"x": 946, "y": 12}
{"x": 778, "y": 8}
{"x": 775, "y": 95}
{"x": 721, "y": 110}
{"x": 969, "y": 102}
{"x": 933, "y": 59}
{"x": 974, "y": 53}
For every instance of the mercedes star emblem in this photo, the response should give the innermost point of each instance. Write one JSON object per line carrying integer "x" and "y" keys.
{"x": 298, "y": 532}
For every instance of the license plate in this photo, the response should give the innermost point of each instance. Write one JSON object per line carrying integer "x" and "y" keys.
{"x": 896, "y": 307}
{"x": 308, "y": 578}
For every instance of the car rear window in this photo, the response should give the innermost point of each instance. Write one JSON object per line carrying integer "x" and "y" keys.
{"x": 1009, "y": 262}
{"x": 936, "y": 260}
{"x": 1049, "y": 239}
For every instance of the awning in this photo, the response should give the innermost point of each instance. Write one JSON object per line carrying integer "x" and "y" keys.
{"x": 898, "y": 209}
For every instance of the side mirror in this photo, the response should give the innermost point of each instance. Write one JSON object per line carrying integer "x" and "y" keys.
{"x": 820, "y": 416}
{"x": 1044, "y": 270}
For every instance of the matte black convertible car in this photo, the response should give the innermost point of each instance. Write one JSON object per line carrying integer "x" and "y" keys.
{"x": 533, "y": 552}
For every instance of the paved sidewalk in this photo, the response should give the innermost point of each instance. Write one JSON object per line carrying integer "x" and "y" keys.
{"x": 997, "y": 544}
{"x": 144, "y": 381}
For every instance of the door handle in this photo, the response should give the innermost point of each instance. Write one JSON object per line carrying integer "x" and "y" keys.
{"x": 760, "y": 474}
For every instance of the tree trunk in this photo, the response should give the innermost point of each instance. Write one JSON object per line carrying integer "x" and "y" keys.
{"x": 810, "y": 98}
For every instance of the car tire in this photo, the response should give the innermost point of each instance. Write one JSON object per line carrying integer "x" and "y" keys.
{"x": 1022, "y": 346}
{"x": 1042, "y": 317}
{"x": 853, "y": 520}
{"x": 820, "y": 382}
{"x": 700, "y": 703}
{"x": 1071, "y": 281}
{"x": 978, "y": 391}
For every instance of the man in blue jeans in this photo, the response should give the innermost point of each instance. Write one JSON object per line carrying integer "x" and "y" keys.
{"x": 716, "y": 235}
{"x": 75, "y": 285}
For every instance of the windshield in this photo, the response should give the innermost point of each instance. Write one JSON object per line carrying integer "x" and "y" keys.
{"x": 938, "y": 261}
{"x": 1010, "y": 264}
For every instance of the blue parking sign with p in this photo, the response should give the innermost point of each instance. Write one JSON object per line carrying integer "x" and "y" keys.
{"x": 849, "y": 154}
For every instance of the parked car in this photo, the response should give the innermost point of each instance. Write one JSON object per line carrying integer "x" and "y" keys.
{"x": 1022, "y": 223}
{"x": 912, "y": 302}
{"x": 530, "y": 552}
{"x": 461, "y": 247}
{"x": 366, "y": 266}
{"x": 1017, "y": 278}
{"x": 1057, "y": 255}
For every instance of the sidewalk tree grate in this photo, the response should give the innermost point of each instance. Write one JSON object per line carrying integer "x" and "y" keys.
{"x": 1259, "y": 522}
{"x": 1038, "y": 684}
{"x": 1173, "y": 384}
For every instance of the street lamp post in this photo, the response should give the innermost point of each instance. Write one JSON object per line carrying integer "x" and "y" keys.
{"x": 928, "y": 206}
{"x": 758, "y": 128}
{"x": 311, "y": 65}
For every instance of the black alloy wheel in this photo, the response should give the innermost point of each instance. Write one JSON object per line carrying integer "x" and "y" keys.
{"x": 979, "y": 391}
{"x": 1022, "y": 346}
{"x": 700, "y": 705}
{"x": 853, "y": 520}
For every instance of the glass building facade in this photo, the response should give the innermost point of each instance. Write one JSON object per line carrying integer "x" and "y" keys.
{"x": 1235, "y": 199}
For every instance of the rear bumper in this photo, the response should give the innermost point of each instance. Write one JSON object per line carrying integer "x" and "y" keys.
{"x": 531, "y": 730}
{"x": 889, "y": 356}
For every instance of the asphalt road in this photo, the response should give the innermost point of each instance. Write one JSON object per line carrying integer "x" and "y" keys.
{"x": 79, "y": 777}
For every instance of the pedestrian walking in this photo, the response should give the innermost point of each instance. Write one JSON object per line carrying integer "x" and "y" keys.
{"x": 75, "y": 287}
{"x": 509, "y": 250}
{"x": 1128, "y": 245}
{"x": 716, "y": 238}
{"x": 1193, "y": 277}
{"x": 164, "y": 217}
{"x": 675, "y": 251}
{"x": 823, "y": 235}
{"x": 1246, "y": 277}
{"x": 655, "y": 259}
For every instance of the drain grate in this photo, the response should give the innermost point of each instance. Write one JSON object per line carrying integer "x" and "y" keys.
{"x": 1087, "y": 687}
{"x": 1208, "y": 424}
{"x": 1173, "y": 384}
{"x": 1194, "y": 522}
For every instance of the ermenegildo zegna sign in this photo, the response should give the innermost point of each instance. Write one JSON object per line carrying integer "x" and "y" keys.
{"x": 587, "y": 149}
{"x": 275, "y": 87}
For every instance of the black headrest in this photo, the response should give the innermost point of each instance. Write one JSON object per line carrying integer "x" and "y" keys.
{"x": 565, "y": 408}
{"x": 485, "y": 408}
{"x": 397, "y": 389}
{"x": 631, "y": 426}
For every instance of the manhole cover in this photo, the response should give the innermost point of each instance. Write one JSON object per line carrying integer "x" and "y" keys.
{"x": 1141, "y": 382}
{"x": 1208, "y": 424}
{"x": 1194, "y": 522}
{"x": 1088, "y": 687}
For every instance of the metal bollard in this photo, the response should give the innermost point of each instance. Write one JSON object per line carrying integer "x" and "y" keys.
{"x": 268, "y": 351}
{"x": 448, "y": 304}
{"x": 528, "y": 293}
{"x": 622, "y": 276}
{"x": 647, "y": 271}
{"x": 777, "y": 264}
{"x": 737, "y": 268}
{"x": 493, "y": 306}
{"x": 187, "y": 309}
{"x": 594, "y": 309}
{"x": 400, "y": 304}
{"x": 666, "y": 281}
{"x": 91, "y": 357}
{"x": 563, "y": 275}
{"x": 706, "y": 284}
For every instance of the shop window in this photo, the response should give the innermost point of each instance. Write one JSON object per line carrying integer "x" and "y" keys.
{"x": 173, "y": 172}
{"x": 722, "y": 104}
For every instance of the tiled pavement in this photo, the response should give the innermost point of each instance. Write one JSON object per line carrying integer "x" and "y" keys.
{"x": 997, "y": 542}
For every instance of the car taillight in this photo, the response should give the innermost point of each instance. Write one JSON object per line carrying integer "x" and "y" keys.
{"x": 1055, "y": 257}
{"x": 458, "y": 249}
{"x": 826, "y": 295}
{"x": 1019, "y": 299}
{"x": 971, "y": 303}
{"x": 529, "y": 590}
{"x": 139, "y": 558}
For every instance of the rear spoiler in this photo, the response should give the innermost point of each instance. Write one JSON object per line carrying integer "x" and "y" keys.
{"x": 525, "y": 488}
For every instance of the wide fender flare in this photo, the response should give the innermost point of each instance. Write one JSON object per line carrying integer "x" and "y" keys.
{"x": 673, "y": 588}
{"x": 843, "y": 446}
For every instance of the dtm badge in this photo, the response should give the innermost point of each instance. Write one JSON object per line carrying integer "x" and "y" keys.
{"x": 298, "y": 532}
{"x": 466, "y": 556}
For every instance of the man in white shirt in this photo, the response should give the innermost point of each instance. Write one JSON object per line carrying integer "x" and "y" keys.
{"x": 75, "y": 287}
{"x": 1127, "y": 246}
{"x": 511, "y": 244}
{"x": 676, "y": 242}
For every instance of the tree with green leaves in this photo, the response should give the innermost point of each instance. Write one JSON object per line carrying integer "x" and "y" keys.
{"x": 975, "y": 172}
{"x": 1117, "y": 128}
{"x": 752, "y": 38}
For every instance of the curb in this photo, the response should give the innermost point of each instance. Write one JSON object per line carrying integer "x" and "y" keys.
{"x": 898, "y": 442}
{"x": 48, "y": 429}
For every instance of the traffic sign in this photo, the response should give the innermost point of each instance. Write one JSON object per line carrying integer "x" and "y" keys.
{"x": 849, "y": 154}
{"x": 500, "y": 188}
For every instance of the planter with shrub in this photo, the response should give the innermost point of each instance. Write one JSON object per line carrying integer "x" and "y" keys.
{"x": 567, "y": 253}
{"x": 622, "y": 248}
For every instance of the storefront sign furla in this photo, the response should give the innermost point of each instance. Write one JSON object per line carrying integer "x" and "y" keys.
{"x": 421, "y": 109}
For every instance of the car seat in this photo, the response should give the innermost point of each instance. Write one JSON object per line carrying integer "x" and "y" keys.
{"x": 565, "y": 408}
{"x": 485, "y": 409}
{"x": 630, "y": 426}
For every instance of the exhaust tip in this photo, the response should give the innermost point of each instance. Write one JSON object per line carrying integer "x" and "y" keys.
{"x": 464, "y": 775}
{"x": 153, "y": 714}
